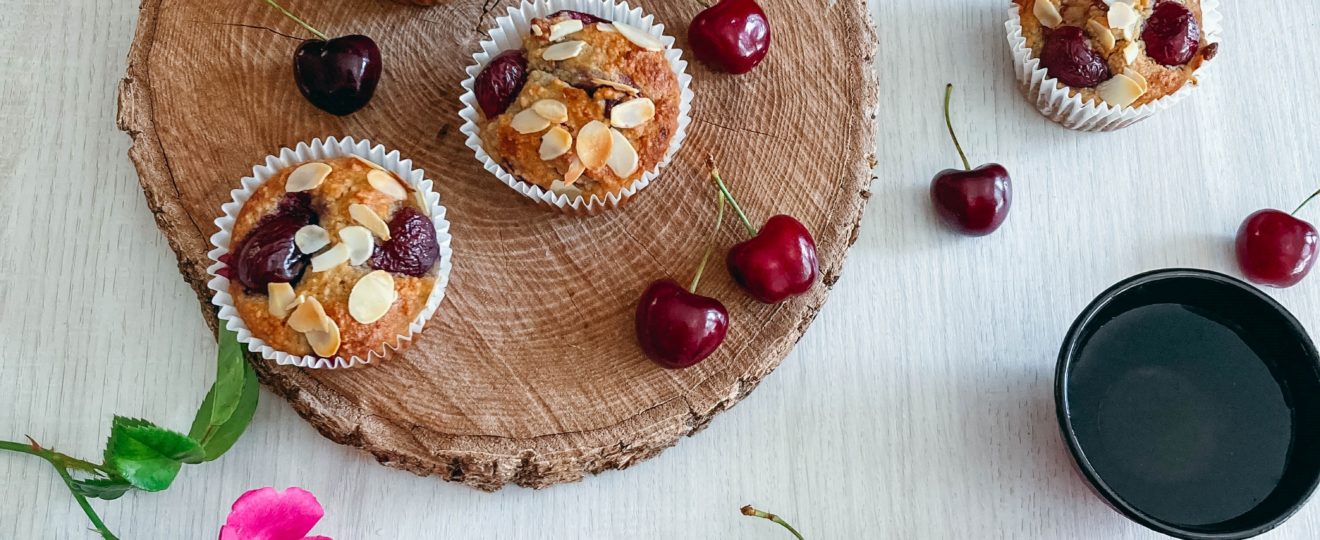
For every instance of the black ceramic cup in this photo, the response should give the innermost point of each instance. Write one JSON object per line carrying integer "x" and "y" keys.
{"x": 1190, "y": 401}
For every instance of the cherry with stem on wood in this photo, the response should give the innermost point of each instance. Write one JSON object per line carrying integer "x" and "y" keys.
{"x": 973, "y": 202}
{"x": 1276, "y": 249}
{"x": 778, "y": 261}
{"x": 732, "y": 36}
{"x": 337, "y": 75}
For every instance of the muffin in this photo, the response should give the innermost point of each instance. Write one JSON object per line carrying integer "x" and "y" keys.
{"x": 332, "y": 258}
{"x": 1125, "y": 53}
{"x": 585, "y": 108}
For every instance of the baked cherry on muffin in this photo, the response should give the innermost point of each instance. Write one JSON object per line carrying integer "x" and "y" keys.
{"x": 586, "y": 107}
{"x": 332, "y": 258}
{"x": 1122, "y": 52}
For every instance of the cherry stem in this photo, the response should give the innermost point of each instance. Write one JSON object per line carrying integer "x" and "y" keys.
{"x": 724, "y": 190}
{"x": 1304, "y": 203}
{"x": 710, "y": 247}
{"x": 749, "y": 511}
{"x": 948, "y": 95}
{"x": 298, "y": 20}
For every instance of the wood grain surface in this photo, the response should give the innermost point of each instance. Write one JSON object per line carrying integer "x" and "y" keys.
{"x": 916, "y": 406}
{"x": 529, "y": 372}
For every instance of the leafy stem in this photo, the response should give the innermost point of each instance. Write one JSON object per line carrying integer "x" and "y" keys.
{"x": 62, "y": 464}
{"x": 749, "y": 511}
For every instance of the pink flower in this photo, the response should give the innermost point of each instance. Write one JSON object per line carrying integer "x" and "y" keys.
{"x": 266, "y": 514}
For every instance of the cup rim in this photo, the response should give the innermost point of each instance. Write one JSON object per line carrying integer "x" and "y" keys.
{"x": 1068, "y": 354}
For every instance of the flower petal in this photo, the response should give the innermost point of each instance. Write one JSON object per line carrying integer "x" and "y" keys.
{"x": 266, "y": 514}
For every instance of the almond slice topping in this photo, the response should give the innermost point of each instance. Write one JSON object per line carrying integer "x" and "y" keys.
{"x": 554, "y": 111}
{"x": 563, "y": 51}
{"x": 616, "y": 85}
{"x": 575, "y": 170}
{"x": 311, "y": 238}
{"x": 1124, "y": 17}
{"x": 632, "y": 113}
{"x": 1047, "y": 13}
{"x": 324, "y": 343}
{"x": 528, "y": 121}
{"x": 558, "y": 187}
{"x": 555, "y": 143}
{"x": 562, "y": 29}
{"x": 639, "y": 37}
{"x": 281, "y": 299}
{"x": 1103, "y": 35}
{"x": 605, "y": 27}
{"x": 1119, "y": 91}
{"x": 359, "y": 242}
{"x": 310, "y": 317}
{"x": 384, "y": 182}
{"x": 331, "y": 258}
{"x": 1138, "y": 77}
{"x": 306, "y": 177}
{"x": 623, "y": 157}
{"x": 422, "y": 205}
{"x": 372, "y": 297}
{"x": 367, "y": 162}
{"x": 1130, "y": 52}
{"x": 593, "y": 144}
{"x": 367, "y": 217}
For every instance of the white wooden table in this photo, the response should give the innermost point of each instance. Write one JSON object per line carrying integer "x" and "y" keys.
{"x": 919, "y": 404}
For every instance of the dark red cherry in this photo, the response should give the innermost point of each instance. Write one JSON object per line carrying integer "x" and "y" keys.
{"x": 500, "y": 81}
{"x": 1172, "y": 34}
{"x": 268, "y": 253}
{"x": 412, "y": 248}
{"x": 338, "y": 76}
{"x": 1276, "y": 249}
{"x": 778, "y": 261}
{"x": 974, "y": 202}
{"x": 1069, "y": 59}
{"x": 586, "y": 18}
{"x": 677, "y": 328}
{"x": 732, "y": 36}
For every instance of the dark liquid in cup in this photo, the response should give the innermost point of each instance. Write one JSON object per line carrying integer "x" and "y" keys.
{"x": 1180, "y": 414}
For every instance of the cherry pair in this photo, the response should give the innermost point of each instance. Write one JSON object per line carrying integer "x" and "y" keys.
{"x": 679, "y": 328}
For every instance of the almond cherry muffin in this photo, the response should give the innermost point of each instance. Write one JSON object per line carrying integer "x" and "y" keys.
{"x": 332, "y": 258}
{"x": 1126, "y": 53}
{"x": 585, "y": 108}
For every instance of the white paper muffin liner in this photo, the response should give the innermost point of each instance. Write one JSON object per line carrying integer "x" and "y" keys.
{"x": 1053, "y": 98}
{"x": 309, "y": 151}
{"x": 508, "y": 34}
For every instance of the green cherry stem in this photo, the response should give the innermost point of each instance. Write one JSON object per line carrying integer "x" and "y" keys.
{"x": 710, "y": 247}
{"x": 724, "y": 190}
{"x": 298, "y": 20}
{"x": 1305, "y": 202}
{"x": 749, "y": 511}
{"x": 61, "y": 463}
{"x": 948, "y": 95}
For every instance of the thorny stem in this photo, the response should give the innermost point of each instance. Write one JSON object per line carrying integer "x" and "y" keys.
{"x": 298, "y": 20}
{"x": 724, "y": 190}
{"x": 749, "y": 511}
{"x": 948, "y": 95}
{"x": 710, "y": 246}
{"x": 62, "y": 463}
{"x": 1308, "y": 199}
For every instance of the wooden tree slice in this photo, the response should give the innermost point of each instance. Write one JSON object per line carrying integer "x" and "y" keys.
{"x": 529, "y": 372}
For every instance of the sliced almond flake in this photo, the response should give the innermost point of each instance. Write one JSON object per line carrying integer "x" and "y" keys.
{"x": 1103, "y": 35}
{"x": 307, "y": 176}
{"x": 536, "y": 31}
{"x": 528, "y": 121}
{"x": 1139, "y": 78}
{"x": 563, "y": 51}
{"x": 324, "y": 343}
{"x": 422, "y": 205}
{"x": 632, "y": 113}
{"x": 1131, "y": 52}
{"x": 359, "y": 242}
{"x": 606, "y": 27}
{"x": 575, "y": 170}
{"x": 280, "y": 300}
{"x": 372, "y": 297}
{"x": 593, "y": 144}
{"x": 335, "y": 256}
{"x": 1119, "y": 91}
{"x": 623, "y": 157}
{"x": 616, "y": 85}
{"x": 564, "y": 28}
{"x": 1124, "y": 17}
{"x": 558, "y": 187}
{"x": 1047, "y": 13}
{"x": 639, "y": 37}
{"x": 385, "y": 182}
{"x": 310, "y": 317}
{"x": 554, "y": 111}
{"x": 367, "y": 162}
{"x": 556, "y": 142}
{"x": 367, "y": 217}
{"x": 311, "y": 239}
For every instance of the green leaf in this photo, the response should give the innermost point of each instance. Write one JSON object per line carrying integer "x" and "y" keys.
{"x": 146, "y": 455}
{"x": 228, "y": 387}
{"x": 217, "y": 439}
{"x": 102, "y": 488}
